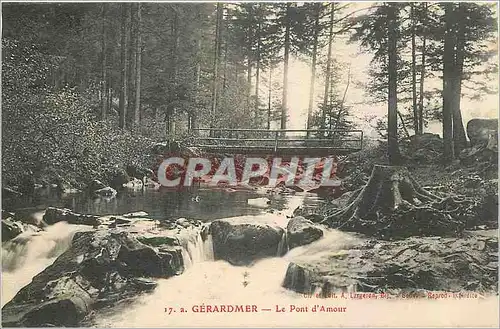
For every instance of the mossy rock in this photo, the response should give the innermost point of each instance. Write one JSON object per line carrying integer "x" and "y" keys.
{"x": 158, "y": 241}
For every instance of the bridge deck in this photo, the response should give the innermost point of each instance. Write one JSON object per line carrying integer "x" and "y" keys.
{"x": 282, "y": 142}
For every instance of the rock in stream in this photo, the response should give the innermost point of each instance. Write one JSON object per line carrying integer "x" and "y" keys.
{"x": 114, "y": 262}
{"x": 416, "y": 263}
{"x": 241, "y": 241}
{"x": 301, "y": 231}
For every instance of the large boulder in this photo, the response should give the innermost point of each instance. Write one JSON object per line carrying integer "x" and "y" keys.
{"x": 95, "y": 185}
{"x": 66, "y": 187}
{"x": 99, "y": 268}
{"x": 350, "y": 264}
{"x": 483, "y": 135}
{"x": 425, "y": 148}
{"x": 30, "y": 216}
{"x": 7, "y": 214}
{"x": 117, "y": 176}
{"x": 54, "y": 215}
{"x": 242, "y": 240}
{"x": 481, "y": 131}
{"x": 146, "y": 261}
{"x": 139, "y": 172}
{"x": 301, "y": 231}
{"x": 107, "y": 192}
{"x": 427, "y": 140}
{"x": 134, "y": 184}
{"x": 10, "y": 229}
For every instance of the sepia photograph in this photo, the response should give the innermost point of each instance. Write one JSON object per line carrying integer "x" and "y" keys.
{"x": 249, "y": 164}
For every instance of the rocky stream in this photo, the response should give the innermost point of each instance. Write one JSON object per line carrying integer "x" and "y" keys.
{"x": 133, "y": 269}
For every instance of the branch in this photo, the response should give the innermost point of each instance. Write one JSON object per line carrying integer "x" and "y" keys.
{"x": 404, "y": 124}
{"x": 354, "y": 12}
{"x": 347, "y": 86}
{"x": 341, "y": 107}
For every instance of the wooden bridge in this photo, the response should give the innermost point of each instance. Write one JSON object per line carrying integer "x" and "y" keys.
{"x": 284, "y": 142}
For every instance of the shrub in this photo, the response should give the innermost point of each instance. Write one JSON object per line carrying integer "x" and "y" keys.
{"x": 55, "y": 133}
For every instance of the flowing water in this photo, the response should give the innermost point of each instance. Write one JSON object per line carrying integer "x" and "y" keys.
{"x": 180, "y": 300}
{"x": 31, "y": 252}
{"x": 185, "y": 300}
{"x": 220, "y": 283}
{"x": 203, "y": 203}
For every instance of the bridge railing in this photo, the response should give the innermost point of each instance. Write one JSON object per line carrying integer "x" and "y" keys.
{"x": 278, "y": 139}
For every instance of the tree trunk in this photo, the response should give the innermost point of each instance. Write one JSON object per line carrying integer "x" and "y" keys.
{"x": 224, "y": 73}
{"x": 392, "y": 116}
{"x": 220, "y": 42}
{"x": 422, "y": 76}
{"x": 138, "y": 67}
{"x": 215, "y": 80}
{"x": 131, "y": 69}
{"x": 392, "y": 204}
{"x": 257, "y": 69}
{"x": 168, "y": 125}
{"x": 459, "y": 137}
{"x": 422, "y": 79}
{"x": 109, "y": 95}
{"x": 257, "y": 82}
{"x": 269, "y": 98}
{"x": 249, "y": 81}
{"x": 330, "y": 106}
{"x": 328, "y": 66}
{"x": 284, "y": 98}
{"x": 249, "y": 55}
{"x": 170, "y": 115}
{"x": 414, "y": 71}
{"x": 313, "y": 66}
{"x": 448, "y": 153}
{"x": 193, "y": 113}
{"x": 341, "y": 106}
{"x": 104, "y": 68}
{"x": 124, "y": 66}
{"x": 407, "y": 134}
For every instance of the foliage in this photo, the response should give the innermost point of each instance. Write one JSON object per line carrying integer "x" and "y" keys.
{"x": 475, "y": 24}
{"x": 54, "y": 133}
{"x": 58, "y": 57}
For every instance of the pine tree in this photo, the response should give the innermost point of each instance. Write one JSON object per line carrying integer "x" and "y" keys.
{"x": 316, "y": 12}
{"x": 286, "y": 59}
{"x": 392, "y": 99}
{"x": 217, "y": 48}
{"x": 124, "y": 64}
{"x": 138, "y": 67}
{"x": 104, "y": 68}
{"x": 329, "y": 63}
{"x": 447, "y": 84}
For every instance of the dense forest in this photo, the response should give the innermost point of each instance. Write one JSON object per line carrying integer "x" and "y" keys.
{"x": 90, "y": 86}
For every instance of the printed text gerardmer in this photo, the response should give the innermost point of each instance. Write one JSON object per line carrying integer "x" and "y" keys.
{"x": 254, "y": 309}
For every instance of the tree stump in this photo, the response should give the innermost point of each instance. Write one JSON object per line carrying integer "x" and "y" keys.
{"x": 392, "y": 204}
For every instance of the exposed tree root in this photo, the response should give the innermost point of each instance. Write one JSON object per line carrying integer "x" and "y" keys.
{"x": 393, "y": 204}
